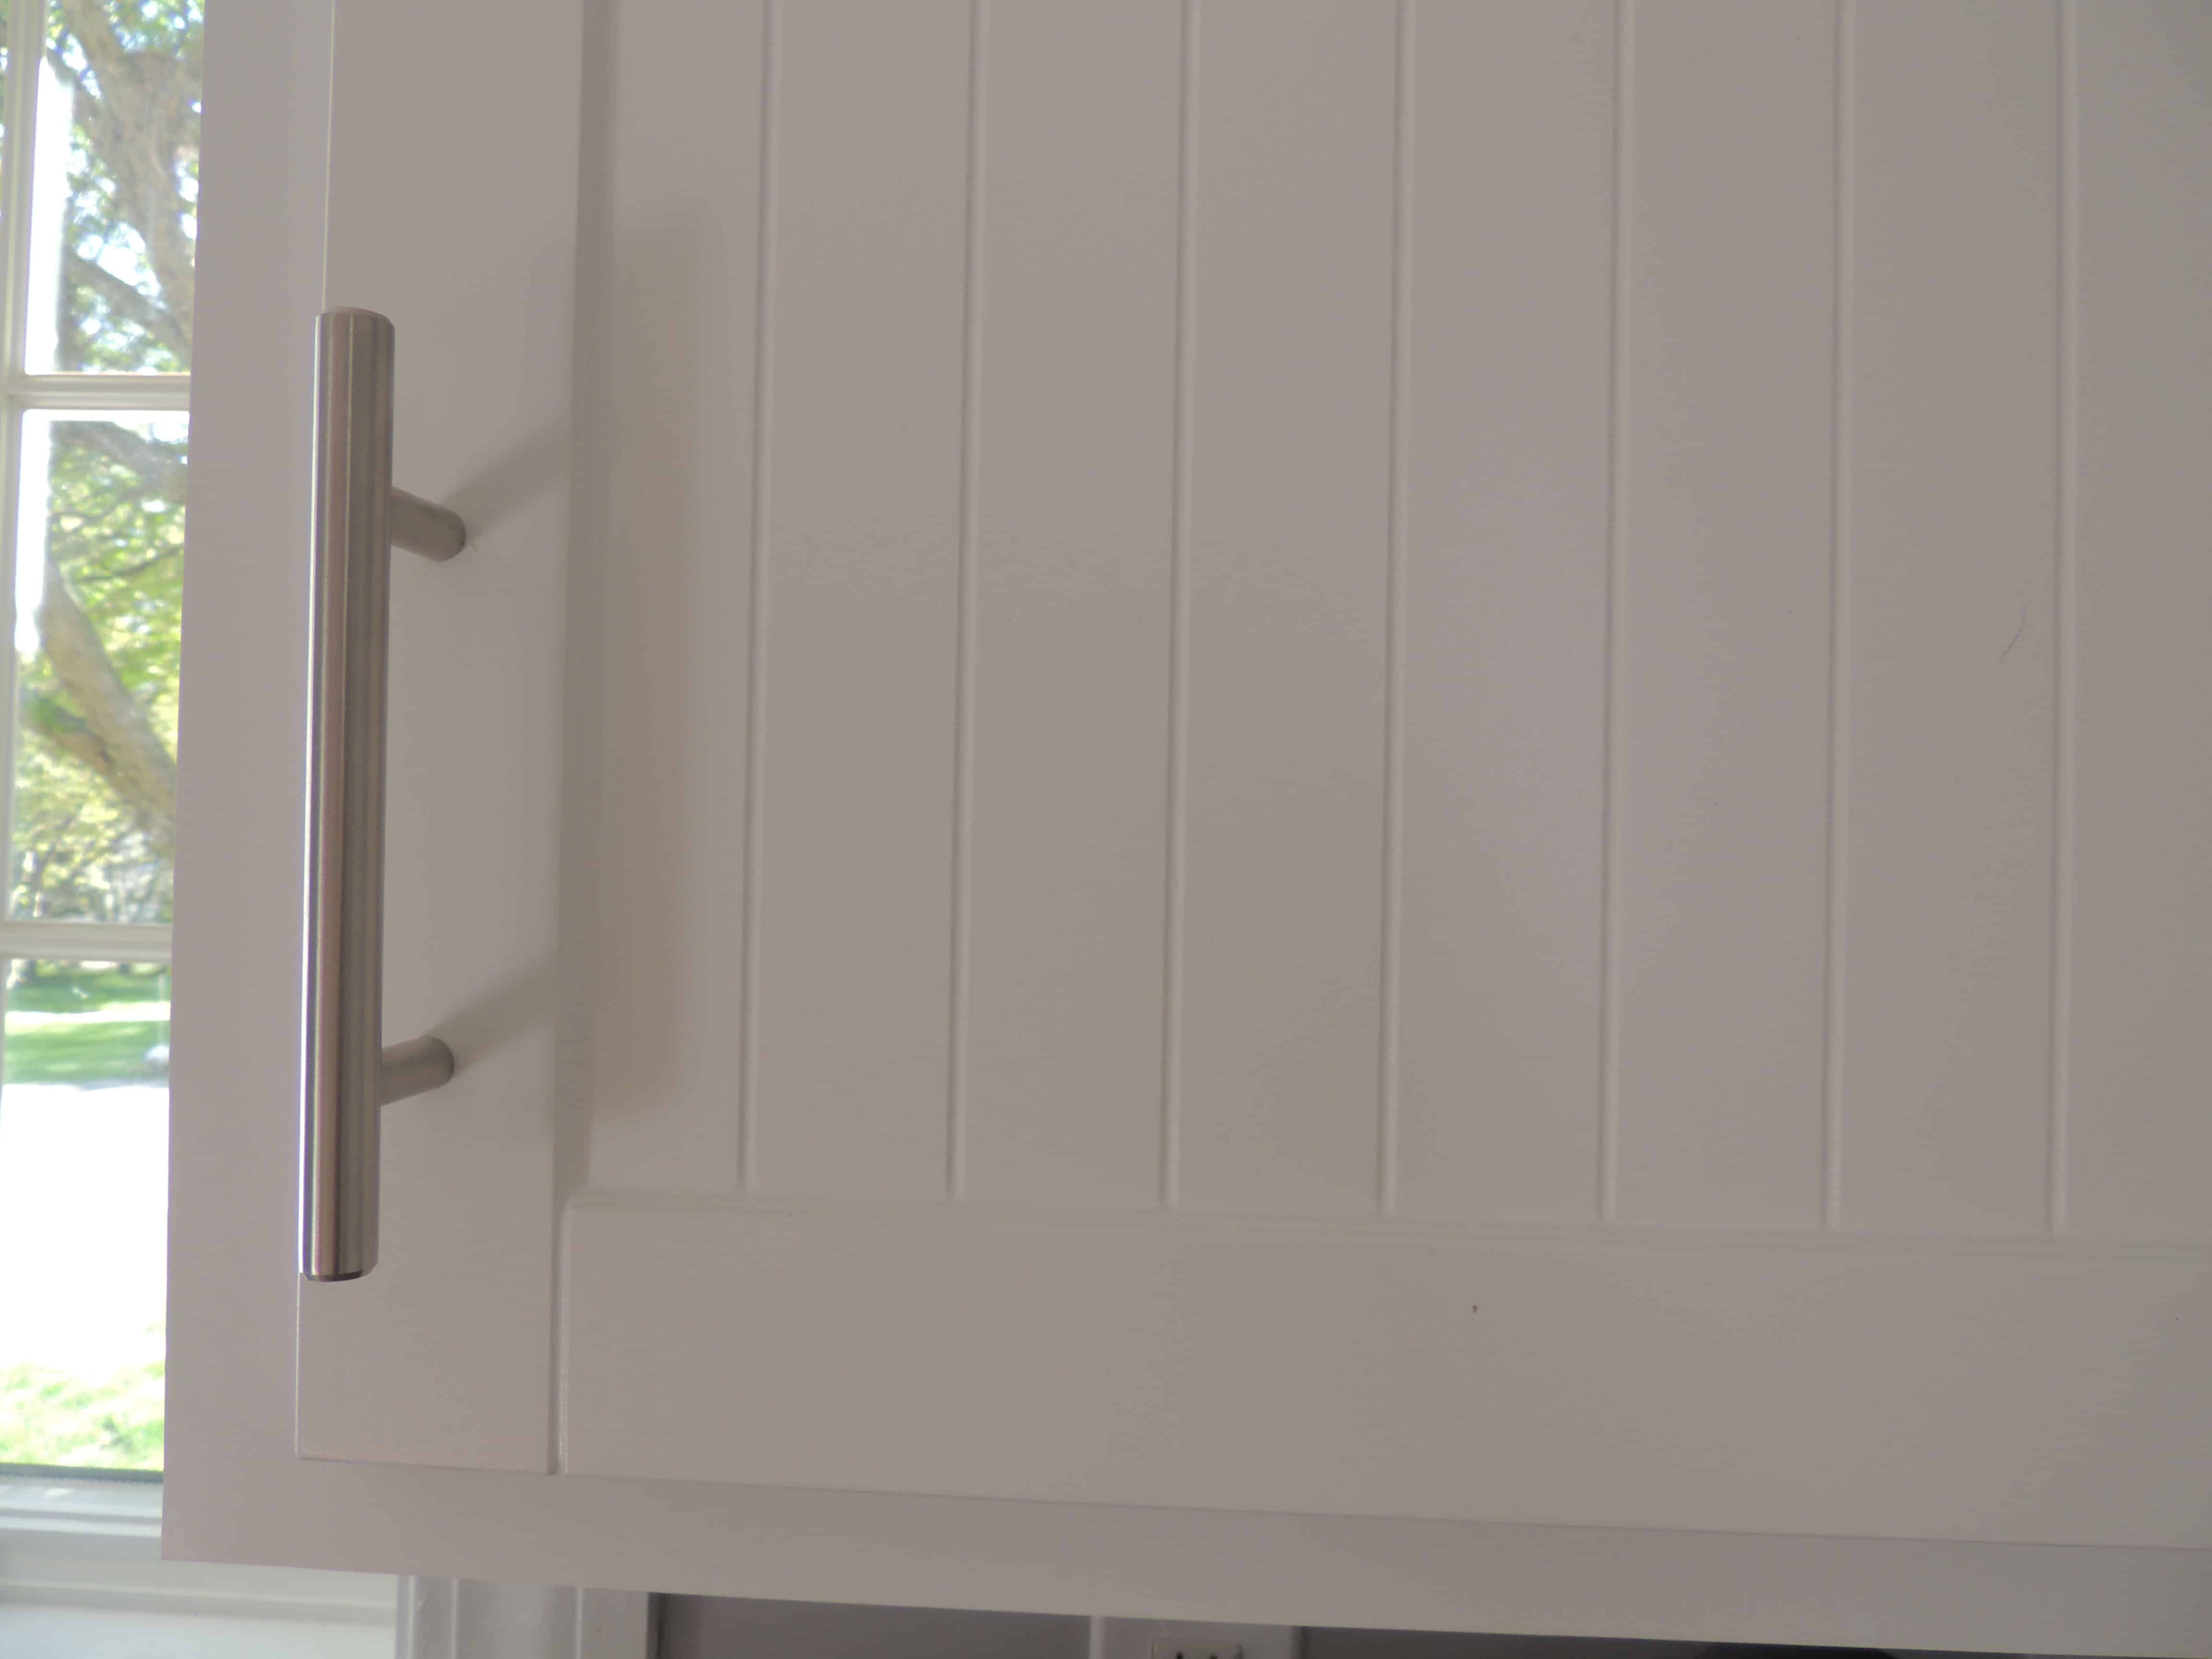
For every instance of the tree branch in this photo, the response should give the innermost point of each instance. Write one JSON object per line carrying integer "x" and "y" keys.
{"x": 151, "y": 315}
{"x": 52, "y": 720}
{"x": 160, "y": 467}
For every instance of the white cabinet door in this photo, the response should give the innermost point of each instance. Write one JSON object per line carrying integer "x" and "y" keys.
{"x": 1232, "y": 797}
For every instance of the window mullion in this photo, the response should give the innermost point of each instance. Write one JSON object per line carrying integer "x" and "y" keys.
{"x": 84, "y": 941}
{"x": 11, "y": 512}
{"x": 19, "y": 107}
{"x": 27, "y": 38}
{"x": 124, "y": 393}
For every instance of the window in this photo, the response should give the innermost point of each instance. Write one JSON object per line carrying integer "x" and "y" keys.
{"x": 98, "y": 188}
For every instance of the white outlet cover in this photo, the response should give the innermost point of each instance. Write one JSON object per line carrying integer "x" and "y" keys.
{"x": 1163, "y": 1638}
{"x": 1196, "y": 1647}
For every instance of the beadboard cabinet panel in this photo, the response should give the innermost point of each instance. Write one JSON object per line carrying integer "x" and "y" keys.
{"x": 1410, "y": 641}
{"x": 1293, "y": 762}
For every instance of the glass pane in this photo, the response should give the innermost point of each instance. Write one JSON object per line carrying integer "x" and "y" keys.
{"x": 99, "y": 600}
{"x": 115, "y": 187}
{"x": 84, "y": 1213}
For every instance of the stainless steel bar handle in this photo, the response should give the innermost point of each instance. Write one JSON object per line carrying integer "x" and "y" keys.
{"x": 347, "y": 1074}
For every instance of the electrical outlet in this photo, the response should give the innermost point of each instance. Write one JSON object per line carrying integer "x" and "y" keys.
{"x": 1191, "y": 1638}
{"x": 1171, "y": 1646}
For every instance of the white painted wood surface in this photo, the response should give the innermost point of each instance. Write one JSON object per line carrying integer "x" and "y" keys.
{"x": 859, "y": 579}
{"x": 2135, "y": 905}
{"x": 1946, "y": 324}
{"x": 1500, "y": 738}
{"x": 474, "y": 766}
{"x": 659, "y": 1080}
{"x": 1718, "y": 807}
{"x": 1572, "y": 601}
{"x": 1544, "y": 529}
{"x": 1557, "y": 580}
{"x": 1274, "y": 977}
{"x": 1828, "y": 1388}
{"x": 1070, "y": 572}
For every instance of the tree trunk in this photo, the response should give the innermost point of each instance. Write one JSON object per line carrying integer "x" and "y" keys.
{"x": 113, "y": 736}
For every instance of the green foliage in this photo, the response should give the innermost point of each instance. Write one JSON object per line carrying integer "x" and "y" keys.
{"x": 62, "y": 1421}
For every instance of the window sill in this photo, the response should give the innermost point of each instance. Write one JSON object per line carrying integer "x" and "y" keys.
{"x": 81, "y": 1571}
{"x": 56, "y": 1515}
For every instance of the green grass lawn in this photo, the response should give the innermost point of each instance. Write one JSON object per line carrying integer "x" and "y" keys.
{"x": 87, "y": 1025}
{"x": 84, "y": 1051}
{"x": 49, "y": 1419}
{"x": 74, "y": 990}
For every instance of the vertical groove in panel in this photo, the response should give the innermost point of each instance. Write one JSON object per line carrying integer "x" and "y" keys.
{"x": 1839, "y": 553}
{"x": 757, "y": 633}
{"x": 2056, "y": 1220}
{"x": 1179, "y": 610}
{"x": 1609, "y": 1135}
{"x": 964, "y": 723}
{"x": 1393, "y": 695}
